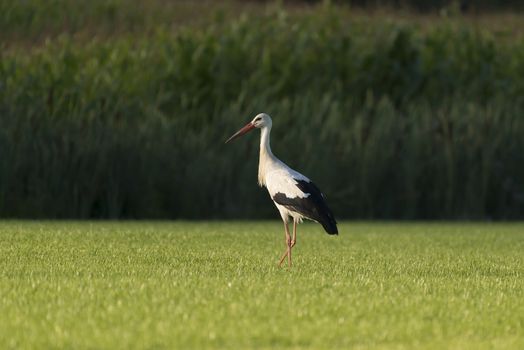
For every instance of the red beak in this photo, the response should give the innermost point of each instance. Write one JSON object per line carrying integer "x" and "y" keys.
{"x": 249, "y": 126}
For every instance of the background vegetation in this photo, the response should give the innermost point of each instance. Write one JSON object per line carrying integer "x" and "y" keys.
{"x": 120, "y": 109}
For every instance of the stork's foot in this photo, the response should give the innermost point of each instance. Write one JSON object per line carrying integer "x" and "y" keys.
{"x": 287, "y": 253}
{"x": 282, "y": 259}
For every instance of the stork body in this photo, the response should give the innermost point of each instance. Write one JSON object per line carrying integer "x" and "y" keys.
{"x": 294, "y": 195}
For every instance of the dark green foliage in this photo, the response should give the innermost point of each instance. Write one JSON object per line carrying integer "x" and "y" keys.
{"x": 390, "y": 121}
{"x": 432, "y": 5}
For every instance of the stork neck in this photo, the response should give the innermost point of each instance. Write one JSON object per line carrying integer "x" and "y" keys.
{"x": 265, "y": 148}
{"x": 267, "y": 159}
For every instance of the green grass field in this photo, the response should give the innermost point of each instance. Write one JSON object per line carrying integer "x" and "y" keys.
{"x": 183, "y": 285}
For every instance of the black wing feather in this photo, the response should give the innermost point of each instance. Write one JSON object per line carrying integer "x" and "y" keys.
{"x": 313, "y": 207}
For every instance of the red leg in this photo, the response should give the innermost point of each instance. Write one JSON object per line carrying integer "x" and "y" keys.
{"x": 288, "y": 248}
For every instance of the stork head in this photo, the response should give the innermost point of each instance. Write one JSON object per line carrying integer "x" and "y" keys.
{"x": 262, "y": 120}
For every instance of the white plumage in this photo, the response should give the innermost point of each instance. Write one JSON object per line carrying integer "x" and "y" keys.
{"x": 283, "y": 181}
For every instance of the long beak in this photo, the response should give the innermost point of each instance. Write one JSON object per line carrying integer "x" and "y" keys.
{"x": 249, "y": 126}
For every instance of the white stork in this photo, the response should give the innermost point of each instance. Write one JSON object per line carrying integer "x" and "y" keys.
{"x": 294, "y": 195}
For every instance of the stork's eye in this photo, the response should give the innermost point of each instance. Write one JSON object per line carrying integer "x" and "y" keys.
{"x": 257, "y": 119}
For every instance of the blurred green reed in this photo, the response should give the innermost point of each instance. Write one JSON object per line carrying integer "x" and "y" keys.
{"x": 390, "y": 120}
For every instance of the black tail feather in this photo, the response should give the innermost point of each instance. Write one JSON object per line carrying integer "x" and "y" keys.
{"x": 330, "y": 225}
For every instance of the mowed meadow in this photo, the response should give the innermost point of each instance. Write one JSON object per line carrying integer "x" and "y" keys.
{"x": 216, "y": 285}
{"x": 120, "y": 109}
